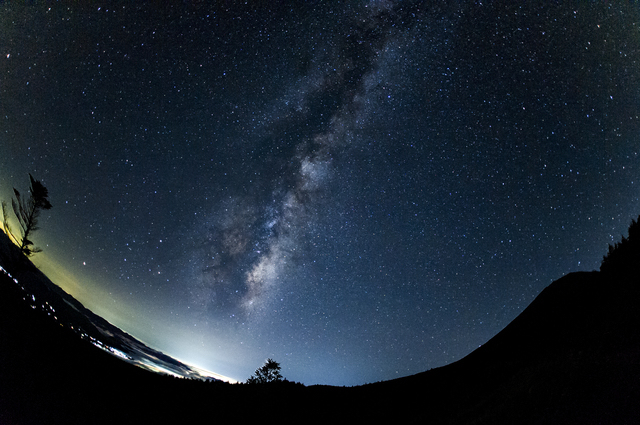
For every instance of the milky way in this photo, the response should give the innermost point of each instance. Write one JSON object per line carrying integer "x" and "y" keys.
{"x": 264, "y": 240}
{"x": 361, "y": 191}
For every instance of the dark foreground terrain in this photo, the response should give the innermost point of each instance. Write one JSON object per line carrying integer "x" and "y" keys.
{"x": 572, "y": 357}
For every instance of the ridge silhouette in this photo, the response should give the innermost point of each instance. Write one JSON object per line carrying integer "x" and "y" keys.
{"x": 571, "y": 357}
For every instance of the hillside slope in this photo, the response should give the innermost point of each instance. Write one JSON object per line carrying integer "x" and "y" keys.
{"x": 571, "y": 357}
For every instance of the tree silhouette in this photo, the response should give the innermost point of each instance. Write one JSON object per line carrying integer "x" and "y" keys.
{"x": 269, "y": 372}
{"x": 623, "y": 258}
{"x": 27, "y": 212}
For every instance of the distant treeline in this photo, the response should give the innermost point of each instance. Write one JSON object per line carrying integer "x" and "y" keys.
{"x": 623, "y": 258}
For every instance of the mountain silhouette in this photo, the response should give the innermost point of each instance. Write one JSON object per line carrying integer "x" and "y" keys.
{"x": 571, "y": 357}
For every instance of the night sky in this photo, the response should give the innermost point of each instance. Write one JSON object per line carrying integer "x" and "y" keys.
{"x": 359, "y": 190}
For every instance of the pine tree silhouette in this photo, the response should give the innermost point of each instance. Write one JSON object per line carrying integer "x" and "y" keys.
{"x": 27, "y": 212}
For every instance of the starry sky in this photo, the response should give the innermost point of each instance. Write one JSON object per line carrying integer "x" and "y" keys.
{"x": 360, "y": 190}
